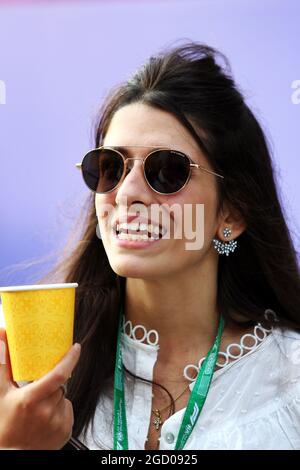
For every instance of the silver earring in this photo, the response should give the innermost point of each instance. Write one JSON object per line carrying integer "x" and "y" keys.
{"x": 227, "y": 232}
{"x": 224, "y": 248}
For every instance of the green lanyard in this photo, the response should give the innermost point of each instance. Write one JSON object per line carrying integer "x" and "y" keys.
{"x": 195, "y": 403}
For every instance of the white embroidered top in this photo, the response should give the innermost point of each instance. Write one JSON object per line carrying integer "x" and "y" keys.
{"x": 253, "y": 401}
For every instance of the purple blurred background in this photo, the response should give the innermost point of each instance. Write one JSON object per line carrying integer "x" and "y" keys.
{"x": 58, "y": 60}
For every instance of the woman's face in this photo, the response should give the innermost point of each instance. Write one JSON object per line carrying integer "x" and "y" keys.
{"x": 141, "y": 125}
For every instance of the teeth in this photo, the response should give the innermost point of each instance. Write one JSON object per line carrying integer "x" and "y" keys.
{"x": 141, "y": 227}
{"x": 135, "y": 237}
{"x": 134, "y": 226}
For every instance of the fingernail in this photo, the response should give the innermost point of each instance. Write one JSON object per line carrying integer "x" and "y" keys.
{"x": 2, "y": 353}
{"x": 77, "y": 347}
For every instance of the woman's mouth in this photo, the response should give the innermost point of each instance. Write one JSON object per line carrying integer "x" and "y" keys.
{"x": 136, "y": 234}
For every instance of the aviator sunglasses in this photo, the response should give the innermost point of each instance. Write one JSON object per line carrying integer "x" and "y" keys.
{"x": 166, "y": 171}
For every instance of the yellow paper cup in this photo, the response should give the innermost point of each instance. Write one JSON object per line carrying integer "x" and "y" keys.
{"x": 39, "y": 322}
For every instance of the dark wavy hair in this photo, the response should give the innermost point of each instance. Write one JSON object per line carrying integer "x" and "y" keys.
{"x": 192, "y": 82}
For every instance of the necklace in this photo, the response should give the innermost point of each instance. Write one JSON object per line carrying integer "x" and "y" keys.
{"x": 208, "y": 364}
{"x": 157, "y": 412}
{"x": 195, "y": 403}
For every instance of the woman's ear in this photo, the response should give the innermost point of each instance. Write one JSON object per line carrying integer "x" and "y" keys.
{"x": 232, "y": 219}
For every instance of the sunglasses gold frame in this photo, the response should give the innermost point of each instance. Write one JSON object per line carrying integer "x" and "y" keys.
{"x": 157, "y": 149}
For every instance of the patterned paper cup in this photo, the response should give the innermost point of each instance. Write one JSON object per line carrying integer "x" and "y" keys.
{"x": 39, "y": 321}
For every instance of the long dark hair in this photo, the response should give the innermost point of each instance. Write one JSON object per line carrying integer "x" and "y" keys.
{"x": 194, "y": 83}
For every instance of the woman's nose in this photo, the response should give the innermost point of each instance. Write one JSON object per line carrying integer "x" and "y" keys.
{"x": 134, "y": 185}
{"x": 129, "y": 162}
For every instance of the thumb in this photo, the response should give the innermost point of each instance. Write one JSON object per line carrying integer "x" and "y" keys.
{"x": 3, "y": 346}
{"x": 5, "y": 367}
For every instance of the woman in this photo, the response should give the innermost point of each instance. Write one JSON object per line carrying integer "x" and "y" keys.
{"x": 179, "y": 134}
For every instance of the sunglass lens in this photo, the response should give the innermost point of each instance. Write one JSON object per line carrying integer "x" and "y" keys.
{"x": 167, "y": 171}
{"x": 102, "y": 169}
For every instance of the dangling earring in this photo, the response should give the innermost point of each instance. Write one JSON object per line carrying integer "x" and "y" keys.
{"x": 225, "y": 247}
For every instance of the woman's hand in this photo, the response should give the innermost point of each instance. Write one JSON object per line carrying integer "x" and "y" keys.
{"x": 36, "y": 416}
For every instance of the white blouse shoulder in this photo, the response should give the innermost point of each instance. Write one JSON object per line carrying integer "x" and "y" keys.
{"x": 253, "y": 401}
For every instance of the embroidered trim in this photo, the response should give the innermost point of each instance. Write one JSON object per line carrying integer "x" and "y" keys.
{"x": 259, "y": 335}
{"x": 146, "y": 334}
